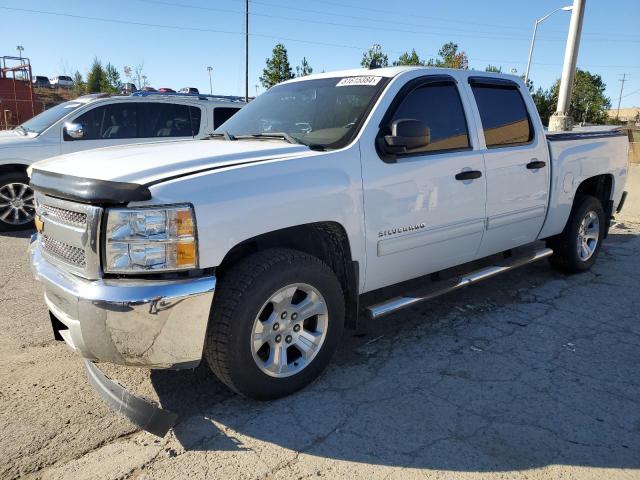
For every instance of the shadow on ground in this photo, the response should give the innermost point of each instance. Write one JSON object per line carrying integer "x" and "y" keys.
{"x": 531, "y": 369}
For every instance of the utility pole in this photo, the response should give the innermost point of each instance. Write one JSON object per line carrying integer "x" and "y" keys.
{"x": 209, "y": 69}
{"x": 622, "y": 80}
{"x": 561, "y": 120}
{"x": 246, "y": 50}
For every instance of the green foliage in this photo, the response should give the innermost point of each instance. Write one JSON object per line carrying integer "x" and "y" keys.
{"x": 97, "y": 77}
{"x": 304, "y": 68}
{"x": 409, "y": 59}
{"x": 450, "y": 57}
{"x": 381, "y": 59}
{"x": 588, "y": 101}
{"x": 113, "y": 79}
{"x": 493, "y": 68}
{"x": 79, "y": 87}
{"x": 278, "y": 68}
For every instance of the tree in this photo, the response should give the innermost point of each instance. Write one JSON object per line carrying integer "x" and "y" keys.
{"x": 409, "y": 59}
{"x": 450, "y": 57}
{"x": 112, "y": 78}
{"x": 278, "y": 68}
{"x": 97, "y": 78}
{"x": 493, "y": 68}
{"x": 304, "y": 68}
{"x": 588, "y": 101}
{"x": 79, "y": 87}
{"x": 544, "y": 104}
{"x": 374, "y": 54}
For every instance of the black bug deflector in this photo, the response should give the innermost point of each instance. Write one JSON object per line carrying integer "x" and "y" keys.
{"x": 141, "y": 412}
{"x": 88, "y": 190}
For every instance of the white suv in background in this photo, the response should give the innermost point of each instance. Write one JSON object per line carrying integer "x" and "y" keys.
{"x": 61, "y": 81}
{"x": 95, "y": 121}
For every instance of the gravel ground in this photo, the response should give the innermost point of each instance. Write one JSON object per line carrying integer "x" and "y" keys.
{"x": 531, "y": 375}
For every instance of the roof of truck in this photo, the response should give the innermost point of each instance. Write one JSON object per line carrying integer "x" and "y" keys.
{"x": 390, "y": 72}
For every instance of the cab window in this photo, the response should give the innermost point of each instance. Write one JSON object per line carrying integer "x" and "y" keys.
{"x": 504, "y": 116}
{"x": 113, "y": 121}
{"x": 438, "y": 107}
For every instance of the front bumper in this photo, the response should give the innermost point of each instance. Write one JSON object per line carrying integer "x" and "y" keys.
{"x": 144, "y": 323}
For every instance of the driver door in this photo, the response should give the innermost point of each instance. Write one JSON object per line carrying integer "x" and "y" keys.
{"x": 419, "y": 217}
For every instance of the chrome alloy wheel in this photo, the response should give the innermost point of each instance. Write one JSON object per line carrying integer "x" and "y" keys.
{"x": 588, "y": 235}
{"x": 17, "y": 205}
{"x": 289, "y": 330}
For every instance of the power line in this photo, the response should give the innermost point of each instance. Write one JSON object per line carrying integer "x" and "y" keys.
{"x": 274, "y": 37}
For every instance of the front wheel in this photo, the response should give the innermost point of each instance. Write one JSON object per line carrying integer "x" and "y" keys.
{"x": 576, "y": 248}
{"x": 17, "y": 207}
{"x": 275, "y": 323}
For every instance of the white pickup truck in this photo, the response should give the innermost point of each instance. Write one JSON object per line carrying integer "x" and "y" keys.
{"x": 97, "y": 121}
{"x": 255, "y": 248}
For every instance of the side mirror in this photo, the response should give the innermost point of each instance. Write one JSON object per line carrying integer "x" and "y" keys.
{"x": 75, "y": 131}
{"x": 407, "y": 134}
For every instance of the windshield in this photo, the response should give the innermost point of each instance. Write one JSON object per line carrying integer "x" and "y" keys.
{"x": 323, "y": 113}
{"x": 40, "y": 123}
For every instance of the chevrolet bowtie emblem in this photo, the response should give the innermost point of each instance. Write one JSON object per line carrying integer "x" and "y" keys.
{"x": 39, "y": 224}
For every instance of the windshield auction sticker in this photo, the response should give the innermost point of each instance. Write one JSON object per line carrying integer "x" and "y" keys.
{"x": 368, "y": 80}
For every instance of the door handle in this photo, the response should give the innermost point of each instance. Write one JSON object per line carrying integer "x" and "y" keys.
{"x": 469, "y": 175}
{"x": 535, "y": 164}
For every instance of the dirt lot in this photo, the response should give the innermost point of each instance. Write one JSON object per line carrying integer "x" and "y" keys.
{"x": 532, "y": 375}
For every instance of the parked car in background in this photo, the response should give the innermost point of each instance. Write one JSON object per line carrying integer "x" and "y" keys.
{"x": 95, "y": 121}
{"x": 128, "y": 88}
{"x": 166, "y": 90}
{"x": 40, "y": 81}
{"x": 326, "y": 197}
{"x": 62, "y": 81}
{"x": 192, "y": 90}
{"x": 148, "y": 89}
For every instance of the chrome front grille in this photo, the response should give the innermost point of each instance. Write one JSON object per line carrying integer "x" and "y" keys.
{"x": 66, "y": 216}
{"x": 67, "y": 253}
{"x": 69, "y": 237}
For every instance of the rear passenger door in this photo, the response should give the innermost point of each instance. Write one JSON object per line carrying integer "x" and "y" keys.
{"x": 161, "y": 121}
{"x": 516, "y": 159}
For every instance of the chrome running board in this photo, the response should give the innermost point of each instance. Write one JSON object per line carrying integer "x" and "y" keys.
{"x": 390, "y": 306}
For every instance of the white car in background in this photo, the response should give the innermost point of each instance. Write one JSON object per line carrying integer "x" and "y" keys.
{"x": 61, "y": 81}
{"x": 95, "y": 121}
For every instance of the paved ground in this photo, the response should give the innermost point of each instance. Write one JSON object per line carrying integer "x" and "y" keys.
{"x": 532, "y": 375}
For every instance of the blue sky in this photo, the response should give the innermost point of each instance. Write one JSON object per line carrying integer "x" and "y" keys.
{"x": 332, "y": 34}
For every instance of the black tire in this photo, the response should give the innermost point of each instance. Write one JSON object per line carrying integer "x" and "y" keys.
{"x": 240, "y": 296}
{"x": 565, "y": 252}
{"x": 7, "y": 179}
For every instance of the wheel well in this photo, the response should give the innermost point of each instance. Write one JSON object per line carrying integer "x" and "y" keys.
{"x": 327, "y": 241}
{"x": 601, "y": 187}
{"x": 12, "y": 168}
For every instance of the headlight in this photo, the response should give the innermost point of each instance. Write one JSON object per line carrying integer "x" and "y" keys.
{"x": 150, "y": 240}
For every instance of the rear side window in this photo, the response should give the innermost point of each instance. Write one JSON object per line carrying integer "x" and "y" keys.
{"x": 110, "y": 122}
{"x": 504, "y": 116}
{"x": 169, "y": 120}
{"x": 222, "y": 114}
{"x": 437, "y": 106}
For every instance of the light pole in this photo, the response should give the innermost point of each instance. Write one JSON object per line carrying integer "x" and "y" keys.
{"x": 210, "y": 69}
{"x": 20, "y": 49}
{"x": 533, "y": 38}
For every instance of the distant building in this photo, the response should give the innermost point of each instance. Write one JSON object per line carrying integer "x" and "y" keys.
{"x": 626, "y": 114}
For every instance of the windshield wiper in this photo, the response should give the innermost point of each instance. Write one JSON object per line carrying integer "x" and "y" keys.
{"x": 277, "y": 135}
{"x": 224, "y": 134}
{"x": 21, "y": 129}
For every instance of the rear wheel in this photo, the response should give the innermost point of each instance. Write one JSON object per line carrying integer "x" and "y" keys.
{"x": 577, "y": 247}
{"x": 17, "y": 205}
{"x": 275, "y": 323}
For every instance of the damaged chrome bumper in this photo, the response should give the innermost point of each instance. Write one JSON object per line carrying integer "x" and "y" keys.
{"x": 143, "y": 323}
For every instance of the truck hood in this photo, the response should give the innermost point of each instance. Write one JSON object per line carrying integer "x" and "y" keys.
{"x": 149, "y": 163}
{"x": 9, "y": 138}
